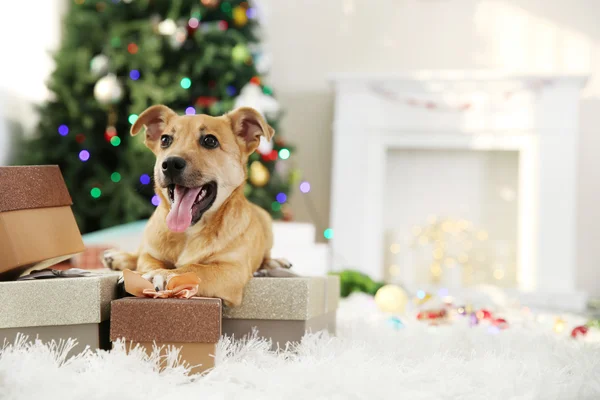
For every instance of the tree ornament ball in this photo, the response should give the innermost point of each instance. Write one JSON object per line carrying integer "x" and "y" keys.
{"x": 240, "y": 18}
{"x": 108, "y": 90}
{"x": 259, "y": 174}
{"x": 99, "y": 65}
{"x": 240, "y": 53}
{"x": 391, "y": 299}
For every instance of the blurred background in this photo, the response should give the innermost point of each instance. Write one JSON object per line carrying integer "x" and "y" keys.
{"x": 447, "y": 143}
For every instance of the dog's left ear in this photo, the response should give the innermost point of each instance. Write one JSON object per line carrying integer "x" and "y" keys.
{"x": 249, "y": 126}
{"x": 155, "y": 119}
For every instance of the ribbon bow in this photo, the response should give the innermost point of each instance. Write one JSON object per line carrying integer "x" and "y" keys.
{"x": 181, "y": 286}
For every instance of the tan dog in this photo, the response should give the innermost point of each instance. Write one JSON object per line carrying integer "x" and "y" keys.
{"x": 204, "y": 223}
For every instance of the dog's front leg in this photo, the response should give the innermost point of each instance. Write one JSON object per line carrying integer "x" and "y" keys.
{"x": 154, "y": 270}
{"x": 225, "y": 281}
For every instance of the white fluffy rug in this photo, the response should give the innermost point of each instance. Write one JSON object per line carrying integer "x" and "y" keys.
{"x": 369, "y": 359}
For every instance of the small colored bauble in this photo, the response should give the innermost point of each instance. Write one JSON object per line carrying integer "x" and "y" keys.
{"x": 500, "y": 323}
{"x": 99, "y": 65}
{"x": 579, "y": 331}
{"x": 473, "y": 319}
{"x": 391, "y": 299}
{"x": 240, "y": 53}
{"x": 259, "y": 174}
{"x": 239, "y": 16}
{"x": 484, "y": 314}
{"x": 108, "y": 90}
{"x": 429, "y": 315}
{"x": 395, "y": 322}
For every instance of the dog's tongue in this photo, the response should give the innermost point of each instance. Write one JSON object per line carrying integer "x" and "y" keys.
{"x": 180, "y": 216}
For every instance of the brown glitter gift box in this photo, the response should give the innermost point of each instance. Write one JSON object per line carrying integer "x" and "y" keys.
{"x": 37, "y": 226}
{"x": 59, "y": 308}
{"x": 284, "y": 309}
{"x": 192, "y": 325}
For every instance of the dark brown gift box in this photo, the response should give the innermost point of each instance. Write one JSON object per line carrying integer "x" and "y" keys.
{"x": 192, "y": 325}
{"x": 37, "y": 226}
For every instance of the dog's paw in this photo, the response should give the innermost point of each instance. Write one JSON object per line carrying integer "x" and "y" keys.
{"x": 118, "y": 260}
{"x": 159, "y": 278}
{"x": 274, "y": 263}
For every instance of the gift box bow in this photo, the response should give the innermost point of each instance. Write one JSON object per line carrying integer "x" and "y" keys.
{"x": 181, "y": 286}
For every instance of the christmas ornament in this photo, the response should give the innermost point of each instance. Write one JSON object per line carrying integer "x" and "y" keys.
{"x": 559, "y": 325}
{"x": 354, "y": 281}
{"x": 500, "y": 323}
{"x": 167, "y": 27}
{"x": 239, "y": 16}
{"x": 240, "y": 53}
{"x": 108, "y": 90}
{"x": 210, "y": 3}
{"x": 252, "y": 95}
{"x": 579, "y": 331}
{"x": 99, "y": 65}
{"x": 432, "y": 315}
{"x": 395, "y": 323}
{"x": 259, "y": 174}
{"x": 265, "y": 146}
{"x": 206, "y": 101}
{"x": 391, "y": 299}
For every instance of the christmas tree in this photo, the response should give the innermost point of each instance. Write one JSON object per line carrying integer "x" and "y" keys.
{"x": 119, "y": 57}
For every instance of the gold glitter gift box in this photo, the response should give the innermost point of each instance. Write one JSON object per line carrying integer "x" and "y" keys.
{"x": 191, "y": 325}
{"x": 59, "y": 308}
{"x": 37, "y": 226}
{"x": 284, "y": 309}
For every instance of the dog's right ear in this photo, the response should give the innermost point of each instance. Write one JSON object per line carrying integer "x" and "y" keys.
{"x": 155, "y": 119}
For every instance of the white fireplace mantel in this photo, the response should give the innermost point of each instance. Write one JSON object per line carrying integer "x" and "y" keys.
{"x": 537, "y": 116}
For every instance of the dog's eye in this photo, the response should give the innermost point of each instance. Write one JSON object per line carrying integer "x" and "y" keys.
{"x": 165, "y": 141}
{"x": 209, "y": 142}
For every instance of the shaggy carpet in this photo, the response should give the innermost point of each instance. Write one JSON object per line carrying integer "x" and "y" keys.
{"x": 369, "y": 359}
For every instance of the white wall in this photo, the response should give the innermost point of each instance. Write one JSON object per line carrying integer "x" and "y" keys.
{"x": 28, "y": 31}
{"x": 310, "y": 39}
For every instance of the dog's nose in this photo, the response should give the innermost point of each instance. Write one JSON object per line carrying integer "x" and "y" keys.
{"x": 173, "y": 166}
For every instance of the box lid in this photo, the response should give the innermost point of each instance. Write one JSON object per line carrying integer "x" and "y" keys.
{"x": 32, "y": 187}
{"x": 57, "y": 301}
{"x": 287, "y": 298}
{"x": 195, "y": 320}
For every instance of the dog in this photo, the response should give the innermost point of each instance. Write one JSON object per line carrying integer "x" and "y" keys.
{"x": 204, "y": 224}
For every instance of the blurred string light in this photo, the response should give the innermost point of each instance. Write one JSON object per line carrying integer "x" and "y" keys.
{"x": 63, "y": 130}
{"x": 251, "y": 13}
{"x": 267, "y": 90}
{"x": 193, "y": 23}
{"x": 186, "y": 83}
{"x": 255, "y": 80}
{"x": 134, "y": 74}
{"x": 84, "y": 155}
{"x": 80, "y": 138}
{"x": 132, "y": 118}
{"x": 305, "y": 187}
{"x": 190, "y": 111}
{"x": 275, "y": 206}
{"x": 281, "y": 198}
{"x": 115, "y": 141}
{"x": 328, "y": 233}
{"x": 155, "y": 200}
{"x": 132, "y": 48}
{"x": 96, "y": 192}
{"x": 110, "y": 133}
{"x": 230, "y": 90}
{"x": 115, "y": 177}
{"x": 284, "y": 154}
{"x": 223, "y": 25}
{"x": 145, "y": 179}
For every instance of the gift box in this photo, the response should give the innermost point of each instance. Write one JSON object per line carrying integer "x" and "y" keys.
{"x": 37, "y": 226}
{"x": 59, "y": 308}
{"x": 284, "y": 309}
{"x": 191, "y": 325}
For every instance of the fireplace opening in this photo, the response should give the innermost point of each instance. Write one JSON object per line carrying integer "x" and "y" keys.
{"x": 451, "y": 217}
